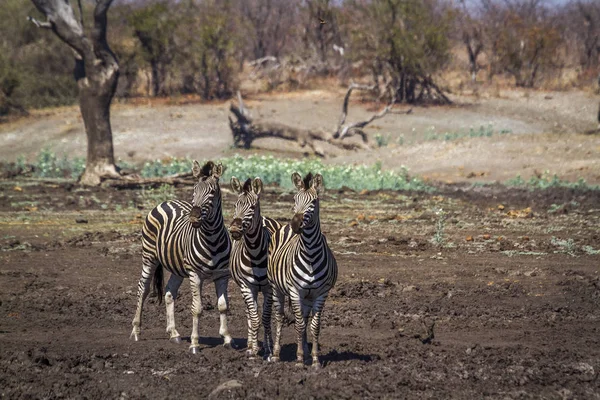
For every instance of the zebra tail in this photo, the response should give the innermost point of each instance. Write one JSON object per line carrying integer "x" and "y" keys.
{"x": 159, "y": 283}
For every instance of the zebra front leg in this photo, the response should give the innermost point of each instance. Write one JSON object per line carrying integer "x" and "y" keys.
{"x": 170, "y": 296}
{"x": 301, "y": 318}
{"x": 251, "y": 300}
{"x": 315, "y": 329}
{"x": 266, "y": 320}
{"x": 223, "y": 306}
{"x": 278, "y": 301}
{"x": 148, "y": 270}
{"x": 196, "y": 284}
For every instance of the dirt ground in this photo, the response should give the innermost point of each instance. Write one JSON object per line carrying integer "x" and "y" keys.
{"x": 547, "y": 132}
{"x": 512, "y": 291}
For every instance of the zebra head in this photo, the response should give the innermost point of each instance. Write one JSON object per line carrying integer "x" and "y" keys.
{"x": 207, "y": 193}
{"x": 306, "y": 207}
{"x": 247, "y": 206}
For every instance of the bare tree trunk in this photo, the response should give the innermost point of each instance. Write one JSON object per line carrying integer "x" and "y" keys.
{"x": 96, "y": 72}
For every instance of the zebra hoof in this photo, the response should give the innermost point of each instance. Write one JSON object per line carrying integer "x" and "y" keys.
{"x": 273, "y": 359}
{"x": 194, "y": 350}
{"x": 135, "y": 337}
{"x": 176, "y": 340}
{"x": 230, "y": 345}
{"x": 316, "y": 365}
{"x": 299, "y": 365}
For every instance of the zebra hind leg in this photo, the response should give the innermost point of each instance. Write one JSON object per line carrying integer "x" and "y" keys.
{"x": 315, "y": 329}
{"x": 251, "y": 300}
{"x": 223, "y": 306}
{"x": 170, "y": 296}
{"x": 278, "y": 301}
{"x": 149, "y": 268}
{"x": 266, "y": 321}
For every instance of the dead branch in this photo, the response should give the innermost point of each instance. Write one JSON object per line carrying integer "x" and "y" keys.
{"x": 246, "y": 129}
{"x": 134, "y": 181}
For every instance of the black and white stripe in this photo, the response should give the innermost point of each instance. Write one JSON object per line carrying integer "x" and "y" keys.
{"x": 190, "y": 241}
{"x": 251, "y": 233}
{"x": 302, "y": 266}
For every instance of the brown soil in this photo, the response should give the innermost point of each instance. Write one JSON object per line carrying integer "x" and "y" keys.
{"x": 513, "y": 294}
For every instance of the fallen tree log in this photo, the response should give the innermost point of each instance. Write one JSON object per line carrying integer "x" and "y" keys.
{"x": 246, "y": 129}
{"x": 134, "y": 181}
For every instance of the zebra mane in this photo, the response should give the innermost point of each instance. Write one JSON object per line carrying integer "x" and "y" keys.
{"x": 307, "y": 179}
{"x": 248, "y": 186}
{"x": 207, "y": 168}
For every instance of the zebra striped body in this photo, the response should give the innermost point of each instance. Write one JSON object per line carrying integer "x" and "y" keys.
{"x": 169, "y": 238}
{"x": 248, "y": 263}
{"x": 302, "y": 266}
{"x": 190, "y": 241}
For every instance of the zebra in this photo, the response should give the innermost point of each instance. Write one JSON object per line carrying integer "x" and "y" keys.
{"x": 302, "y": 266}
{"x": 189, "y": 240}
{"x": 251, "y": 234}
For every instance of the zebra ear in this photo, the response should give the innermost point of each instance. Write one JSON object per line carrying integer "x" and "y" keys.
{"x": 297, "y": 181}
{"x": 196, "y": 169}
{"x": 217, "y": 170}
{"x": 317, "y": 183}
{"x": 257, "y": 186}
{"x": 236, "y": 185}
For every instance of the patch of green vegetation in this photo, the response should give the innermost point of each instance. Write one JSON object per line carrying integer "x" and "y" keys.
{"x": 589, "y": 250}
{"x": 547, "y": 180}
{"x": 440, "y": 226}
{"x": 152, "y": 197}
{"x": 565, "y": 246}
{"x": 278, "y": 171}
{"x": 482, "y": 131}
{"x": 50, "y": 165}
{"x": 382, "y": 140}
{"x": 512, "y": 253}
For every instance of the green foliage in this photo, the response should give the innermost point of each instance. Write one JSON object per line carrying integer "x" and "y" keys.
{"x": 524, "y": 44}
{"x": 171, "y": 166}
{"x": 381, "y": 140}
{"x": 440, "y": 226}
{"x": 547, "y": 180}
{"x": 49, "y": 165}
{"x": 279, "y": 171}
{"x": 33, "y": 72}
{"x": 407, "y": 39}
{"x": 154, "y": 26}
{"x": 152, "y": 197}
{"x": 565, "y": 246}
{"x": 482, "y": 131}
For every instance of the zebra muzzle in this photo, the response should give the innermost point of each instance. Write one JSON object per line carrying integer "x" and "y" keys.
{"x": 296, "y": 223}
{"x": 196, "y": 217}
{"x": 236, "y": 229}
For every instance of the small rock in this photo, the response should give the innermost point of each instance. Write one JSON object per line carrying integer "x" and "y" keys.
{"x": 231, "y": 384}
{"x": 81, "y": 221}
{"x": 409, "y": 288}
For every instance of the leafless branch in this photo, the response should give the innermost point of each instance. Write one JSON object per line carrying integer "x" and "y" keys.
{"x": 39, "y": 24}
{"x": 347, "y": 99}
{"x": 80, "y": 12}
{"x": 356, "y": 128}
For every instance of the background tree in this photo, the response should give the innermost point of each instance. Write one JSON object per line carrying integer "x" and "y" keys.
{"x": 96, "y": 72}
{"x": 471, "y": 31}
{"x": 321, "y": 28}
{"x": 269, "y": 24}
{"x": 154, "y": 26}
{"x": 528, "y": 41}
{"x": 405, "y": 42}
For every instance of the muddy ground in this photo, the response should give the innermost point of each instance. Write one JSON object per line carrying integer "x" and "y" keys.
{"x": 512, "y": 291}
